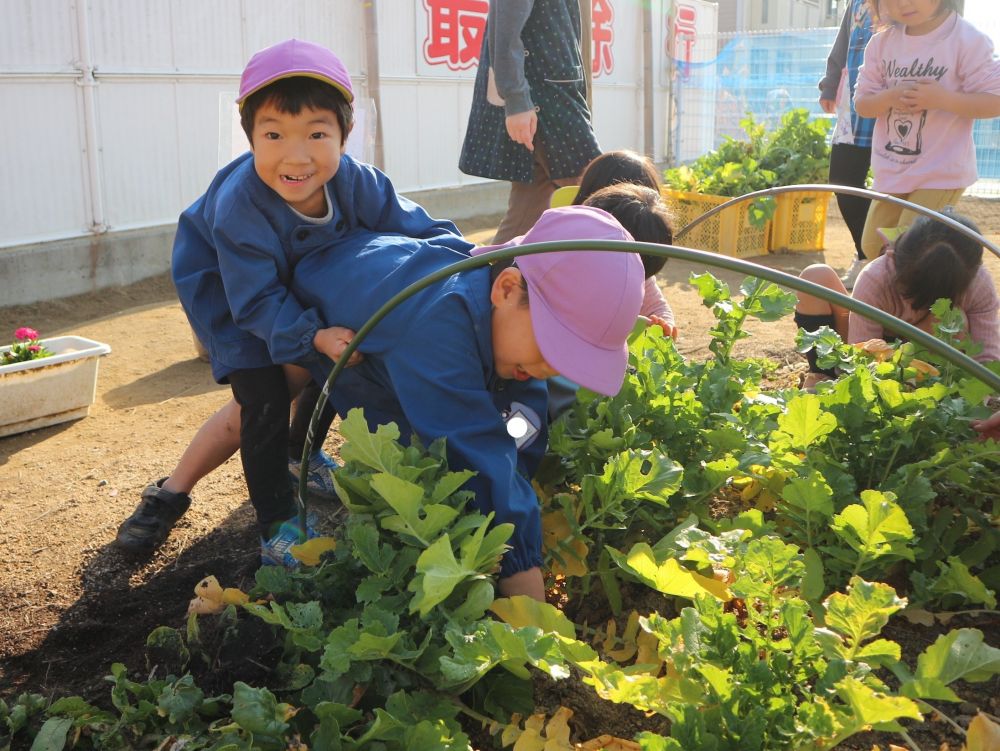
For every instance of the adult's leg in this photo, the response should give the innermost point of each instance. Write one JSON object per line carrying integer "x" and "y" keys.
{"x": 528, "y": 201}
{"x": 849, "y": 165}
{"x": 263, "y": 396}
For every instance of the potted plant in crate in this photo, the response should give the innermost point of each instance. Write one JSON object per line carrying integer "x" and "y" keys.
{"x": 46, "y": 381}
{"x": 796, "y": 152}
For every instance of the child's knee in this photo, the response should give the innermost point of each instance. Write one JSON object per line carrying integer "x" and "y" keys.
{"x": 824, "y": 276}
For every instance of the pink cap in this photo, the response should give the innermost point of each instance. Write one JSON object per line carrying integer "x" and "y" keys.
{"x": 293, "y": 57}
{"x": 584, "y": 303}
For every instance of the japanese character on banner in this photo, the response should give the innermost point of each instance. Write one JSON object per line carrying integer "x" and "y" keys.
{"x": 454, "y": 32}
{"x": 603, "y": 37}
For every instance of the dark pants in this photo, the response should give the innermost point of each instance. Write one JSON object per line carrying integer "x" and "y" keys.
{"x": 264, "y": 410}
{"x": 849, "y": 165}
{"x": 813, "y": 323}
{"x": 304, "y": 406}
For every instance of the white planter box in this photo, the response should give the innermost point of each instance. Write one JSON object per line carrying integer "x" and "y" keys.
{"x": 50, "y": 390}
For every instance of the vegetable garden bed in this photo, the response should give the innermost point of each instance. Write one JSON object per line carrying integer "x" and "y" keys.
{"x": 766, "y": 540}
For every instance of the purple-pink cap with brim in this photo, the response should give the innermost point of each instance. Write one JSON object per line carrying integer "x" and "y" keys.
{"x": 294, "y": 57}
{"x": 583, "y": 303}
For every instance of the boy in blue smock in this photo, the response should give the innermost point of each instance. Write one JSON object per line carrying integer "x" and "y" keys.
{"x": 466, "y": 358}
{"x": 234, "y": 255}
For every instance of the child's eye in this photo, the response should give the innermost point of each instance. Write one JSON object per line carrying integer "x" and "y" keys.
{"x": 318, "y": 135}
{"x": 271, "y": 136}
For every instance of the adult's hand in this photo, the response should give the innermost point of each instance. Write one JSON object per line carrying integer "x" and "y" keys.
{"x": 521, "y": 128}
{"x": 333, "y": 341}
{"x": 528, "y": 582}
{"x": 829, "y": 106}
{"x": 989, "y": 428}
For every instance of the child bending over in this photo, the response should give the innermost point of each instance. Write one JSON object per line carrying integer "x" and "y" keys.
{"x": 929, "y": 261}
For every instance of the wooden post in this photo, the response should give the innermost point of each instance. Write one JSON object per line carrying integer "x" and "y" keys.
{"x": 372, "y": 76}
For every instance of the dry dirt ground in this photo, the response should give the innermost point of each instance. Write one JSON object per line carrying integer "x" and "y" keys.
{"x": 72, "y": 604}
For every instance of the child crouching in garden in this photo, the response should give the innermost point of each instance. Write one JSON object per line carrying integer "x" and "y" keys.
{"x": 929, "y": 261}
{"x": 463, "y": 357}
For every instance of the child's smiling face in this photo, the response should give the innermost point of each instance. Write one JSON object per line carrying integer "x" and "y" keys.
{"x": 515, "y": 349}
{"x": 296, "y": 155}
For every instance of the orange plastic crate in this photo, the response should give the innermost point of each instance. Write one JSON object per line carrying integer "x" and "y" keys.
{"x": 800, "y": 221}
{"x": 729, "y": 232}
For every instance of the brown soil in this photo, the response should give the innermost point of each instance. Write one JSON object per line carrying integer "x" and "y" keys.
{"x": 73, "y": 603}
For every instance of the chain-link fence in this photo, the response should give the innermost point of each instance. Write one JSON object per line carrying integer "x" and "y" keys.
{"x": 766, "y": 74}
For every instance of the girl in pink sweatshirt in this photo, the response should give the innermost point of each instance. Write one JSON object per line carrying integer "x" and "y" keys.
{"x": 928, "y": 75}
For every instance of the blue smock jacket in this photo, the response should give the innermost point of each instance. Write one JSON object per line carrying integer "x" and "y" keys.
{"x": 429, "y": 367}
{"x": 236, "y": 248}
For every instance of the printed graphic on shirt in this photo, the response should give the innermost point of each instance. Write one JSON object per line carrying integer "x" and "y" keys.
{"x": 906, "y": 129}
{"x": 906, "y": 132}
{"x": 523, "y": 424}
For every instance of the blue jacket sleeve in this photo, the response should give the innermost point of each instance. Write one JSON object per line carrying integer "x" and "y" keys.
{"x": 369, "y": 199}
{"x": 252, "y": 265}
{"x": 437, "y": 374}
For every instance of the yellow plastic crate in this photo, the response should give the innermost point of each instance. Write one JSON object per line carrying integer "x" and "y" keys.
{"x": 800, "y": 221}
{"x": 729, "y": 232}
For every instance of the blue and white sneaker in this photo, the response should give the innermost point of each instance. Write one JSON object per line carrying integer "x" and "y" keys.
{"x": 319, "y": 476}
{"x": 274, "y": 552}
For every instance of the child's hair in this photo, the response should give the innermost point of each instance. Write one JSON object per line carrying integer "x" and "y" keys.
{"x": 290, "y": 95}
{"x": 934, "y": 261}
{"x": 643, "y": 214}
{"x": 875, "y": 7}
{"x": 616, "y": 167}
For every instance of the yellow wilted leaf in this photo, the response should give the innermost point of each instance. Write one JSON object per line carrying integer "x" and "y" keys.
{"x": 234, "y": 596}
{"x": 520, "y": 611}
{"x": 649, "y": 647}
{"x": 673, "y": 579}
{"x": 608, "y": 743}
{"x": 531, "y": 738}
{"x": 983, "y": 735}
{"x": 310, "y": 551}
{"x": 557, "y": 731}
{"x": 209, "y": 588}
{"x": 877, "y": 348}
{"x": 558, "y": 539}
{"x": 629, "y": 647}
{"x": 204, "y": 606}
{"x": 924, "y": 369}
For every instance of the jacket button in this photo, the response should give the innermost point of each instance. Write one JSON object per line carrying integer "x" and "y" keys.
{"x": 339, "y": 226}
{"x": 302, "y": 234}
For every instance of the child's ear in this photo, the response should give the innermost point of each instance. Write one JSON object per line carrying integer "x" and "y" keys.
{"x": 507, "y": 286}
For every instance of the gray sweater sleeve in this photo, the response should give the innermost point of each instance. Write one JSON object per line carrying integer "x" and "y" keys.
{"x": 838, "y": 58}
{"x": 506, "y": 21}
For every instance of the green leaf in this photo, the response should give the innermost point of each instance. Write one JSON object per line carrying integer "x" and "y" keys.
{"x": 869, "y": 707}
{"x": 378, "y": 450}
{"x": 52, "y": 735}
{"x": 876, "y": 529}
{"x": 813, "y": 584}
{"x": 958, "y": 655}
{"x": 956, "y": 579}
{"x": 440, "y": 574}
{"x": 711, "y": 289}
{"x": 805, "y": 422}
{"x": 861, "y": 613}
{"x": 520, "y": 611}
{"x": 670, "y": 577}
{"x": 257, "y": 711}
{"x": 450, "y": 483}
{"x": 179, "y": 700}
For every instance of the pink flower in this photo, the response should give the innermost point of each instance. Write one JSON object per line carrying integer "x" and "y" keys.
{"x": 25, "y": 334}
{"x": 34, "y": 347}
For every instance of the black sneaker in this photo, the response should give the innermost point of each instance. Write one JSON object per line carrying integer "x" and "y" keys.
{"x": 154, "y": 517}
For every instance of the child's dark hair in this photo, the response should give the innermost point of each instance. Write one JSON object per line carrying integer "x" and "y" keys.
{"x": 874, "y": 7}
{"x": 290, "y": 95}
{"x": 934, "y": 261}
{"x": 643, "y": 214}
{"x": 613, "y": 168}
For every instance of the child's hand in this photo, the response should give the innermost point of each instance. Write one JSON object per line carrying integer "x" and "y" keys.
{"x": 528, "y": 582}
{"x": 668, "y": 330}
{"x": 924, "y": 95}
{"x": 988, "y": 428}
{"x": 333, "y": 341}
